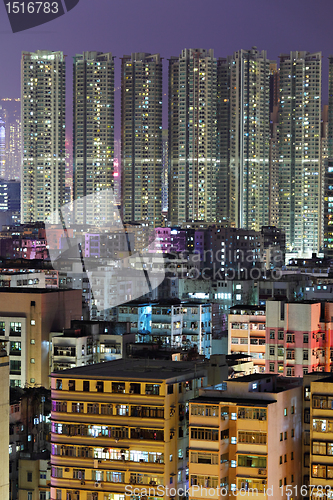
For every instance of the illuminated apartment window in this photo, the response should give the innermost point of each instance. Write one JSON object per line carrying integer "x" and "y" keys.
{"x": 15, "y": 329}
{"x": 118, "y": 388}
{"x": 153, "y": 389}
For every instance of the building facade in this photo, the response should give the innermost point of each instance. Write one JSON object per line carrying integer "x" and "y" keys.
{"x": 141, "y": 138}
{"x": 93, "y": 137}
{"x": 328, "y": 176}
{"x": 26, "y": 320}
{"x": 244, "y": 87}
{"x": 317, "y": 447}
{"x": 193, "y": 158}
{"x": 298, "y": 338}
{"x": 247, "y": 333}
{"x": 120, "y": 429}
{"x": 245, "y": 439}
{"x": 43, "y": 135}
{"x": 300, "y": 208}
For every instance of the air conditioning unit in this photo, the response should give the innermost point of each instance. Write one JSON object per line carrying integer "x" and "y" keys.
{"x": 262, "y": 472}
{"x": 66, "y": 470}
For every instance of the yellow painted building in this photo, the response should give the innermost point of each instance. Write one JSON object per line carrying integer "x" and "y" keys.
{"x": 121, "y": 428}
{"x": 318, "y": 435}
{"x": 245, "y": 438}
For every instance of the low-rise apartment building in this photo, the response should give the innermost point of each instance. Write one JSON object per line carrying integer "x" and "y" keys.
{"x": 245, "y": 439}
{"x": 298, "y": 337}
{"x": 27, "y": 316}
{"x": 247, "y": 333}
{"x": 176, "y": 323}
{"x": 119, "y": 428}
{"x": 317, "y": 443}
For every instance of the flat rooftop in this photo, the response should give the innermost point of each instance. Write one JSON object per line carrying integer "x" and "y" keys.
{"x": 39, "y": 291}
{"x": 254, "y": 377}
{"x": 135, "y": 370}
{"x": 239, "y": 401}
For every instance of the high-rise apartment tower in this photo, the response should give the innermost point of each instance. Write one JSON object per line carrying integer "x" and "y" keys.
{"x": 300, "y": 146}
{"x": 193, "y": 158}
{"x": 141, "y": 138}
{"x": 43, "y": 135}
{"x": 244, "y": 132}
{"x": 93, "y": 137}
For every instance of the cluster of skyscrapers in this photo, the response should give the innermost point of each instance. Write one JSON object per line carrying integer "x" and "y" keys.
{"x": 247, "y": 146}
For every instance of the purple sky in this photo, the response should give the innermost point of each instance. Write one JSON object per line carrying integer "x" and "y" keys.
{"x": 125, "y": 26}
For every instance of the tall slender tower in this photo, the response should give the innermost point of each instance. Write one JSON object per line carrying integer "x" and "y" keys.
{"x": 223, "y": 204}
{"x": 245, "y": 76}
{"x": 93, "y": 137}
{"x": 43, "y": 135}
{"x": 193, "y": 158}
{"x": 328, "y": 174}
{"x": 300, "y": 146}
{"x": 141, "y": 138}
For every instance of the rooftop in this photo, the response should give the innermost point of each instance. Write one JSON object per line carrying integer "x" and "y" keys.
{"x": 253, "y": 377}
{"x": 135, "y": 369}
{"x": 223, "y": 398}
{"x": 31, "y": 290}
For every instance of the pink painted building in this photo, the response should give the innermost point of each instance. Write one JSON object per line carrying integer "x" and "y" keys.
{"x": 299, "y": 337}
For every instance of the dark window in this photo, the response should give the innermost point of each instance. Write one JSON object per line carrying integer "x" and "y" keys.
{"x": 29, "y": 477}
{"x": 100, "y": 386}
{"x": 71, "y": 385}
{"x": 135, "y": 388}
{"x": 170, "y": 389}
{"x": 59, "y": 384}
{"x": 86, "y": 385}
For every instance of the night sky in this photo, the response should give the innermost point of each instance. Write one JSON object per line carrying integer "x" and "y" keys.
{"x": 168, "y": 26}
